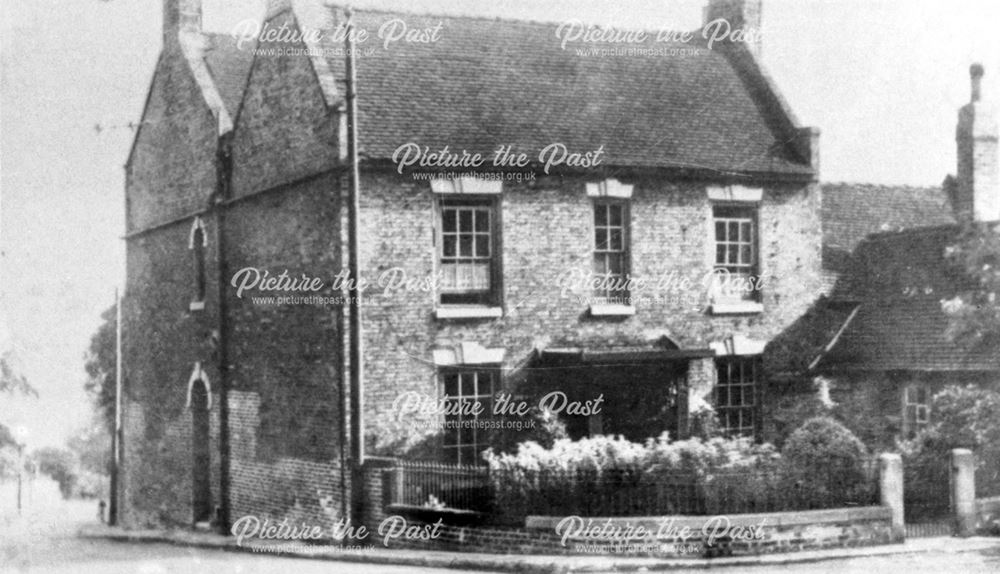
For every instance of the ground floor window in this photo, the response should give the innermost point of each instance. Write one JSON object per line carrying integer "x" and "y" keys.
{"x": 468, "y": 402}
{"x": 736, "y": 389}
{"x": 916, "y": 408}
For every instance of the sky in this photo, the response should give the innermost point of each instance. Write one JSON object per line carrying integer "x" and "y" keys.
{"x": 882, "y": 79}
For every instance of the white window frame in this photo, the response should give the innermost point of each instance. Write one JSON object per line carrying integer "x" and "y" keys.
{"x": 463, "y": 445}
{"x": 921, "y": 411}
{"x": 450, "y": 295}
{"x": 746, "y": 265}
{"x": 732, "y": 374}
{"x": 620, "y": 297}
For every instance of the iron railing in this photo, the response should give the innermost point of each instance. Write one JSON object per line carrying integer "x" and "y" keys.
{"x": 515, "y": 493}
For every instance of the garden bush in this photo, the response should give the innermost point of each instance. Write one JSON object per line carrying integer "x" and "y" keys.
{"x": 826, "y": 465}
{"x": 607, "y": 475}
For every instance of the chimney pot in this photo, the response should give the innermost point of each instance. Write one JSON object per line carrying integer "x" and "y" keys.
{"x": 180, "y": 16}
{"x": 976, "y": 73}
{"x": 977, "y": 190}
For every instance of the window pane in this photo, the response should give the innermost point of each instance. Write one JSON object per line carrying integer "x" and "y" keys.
{"x": 451, "y": 384}
{"x": 480, "y": 276}
{"x": 615, "y": 240}
{"x": 720, "y": 253}
{"x": 448, "y": 220}
{"x": 468, "y": 455}
{"x": 601, "y": 239}
{"x": 733, "y": 232}
{"x": 616, "y": 265}
{"x": 448, "y": 245}
{"x": 600, "y": 264}
{"x": 745, "y": 257}
{"x": 615, "y": 215}
{"x": 482, "y": 246}
{"x": 468, "y": 384}
{"x": 467, "y": 435}
{"x": 482, "y": 220}
{"x": 600, "y": 215}
{"x": 465, "y": 246}
{"x": 465, "y": 220}
{"x": 723, "y": 396}
{"x": 720, "y": 231}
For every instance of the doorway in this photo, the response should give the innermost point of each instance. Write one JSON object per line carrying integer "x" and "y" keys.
{"x": 201, "y": 481}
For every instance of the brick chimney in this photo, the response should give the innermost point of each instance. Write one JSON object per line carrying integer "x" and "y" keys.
{"x": 180, "y": 16}
{"x": 977, "y": 194}
{"x": 741, "y": 15}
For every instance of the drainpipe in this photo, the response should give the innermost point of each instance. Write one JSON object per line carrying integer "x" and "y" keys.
{"x": 355, "y": 352}
{"x": 116, "y": 437}
{"x": 224, "y": 171}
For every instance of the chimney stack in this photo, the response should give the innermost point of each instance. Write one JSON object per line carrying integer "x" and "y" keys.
{"x": 742, "y": 15}
{"x": 180, "y": 16}
{"x": 977, "y": 196}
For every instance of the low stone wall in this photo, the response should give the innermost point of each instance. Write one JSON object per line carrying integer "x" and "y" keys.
{"x": 670, "y": 536}
{"x": 742, "y": 534}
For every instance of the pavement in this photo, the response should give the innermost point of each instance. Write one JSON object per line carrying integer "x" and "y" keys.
{"x": 536, "y": 563}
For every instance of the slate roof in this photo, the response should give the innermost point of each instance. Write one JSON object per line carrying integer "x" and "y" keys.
{"x": 900, "y": 279}
{"x": 852, "y": 211}
{"x": 230, "y": 68}
{"x": 491, "y": 82}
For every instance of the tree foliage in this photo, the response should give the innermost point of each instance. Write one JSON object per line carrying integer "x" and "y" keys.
{"x": 974, "y": 313}
{"x": 11, "y": 381}
{"x": 60, "y": 464}
{"x": 100, "y": 367}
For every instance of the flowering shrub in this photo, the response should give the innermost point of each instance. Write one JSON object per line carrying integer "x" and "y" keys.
{"x": 607, "y": 475}
{"x": 611, "y": 476}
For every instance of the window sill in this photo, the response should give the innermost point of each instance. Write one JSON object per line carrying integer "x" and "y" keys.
{"x": 737, "y": 308}
{"x": 468, "y": 312}
{"x": 196, "y": 306}
{"x": 610, "y": 310}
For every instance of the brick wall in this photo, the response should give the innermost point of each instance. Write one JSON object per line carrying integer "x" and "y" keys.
{"x": 546, "y": 232}
{"x": 284, "y": 131}
{"x": 171, "y": 172}
{"x": 286, "y": 359}
{"x": 164, "y": 341}
{"x": 775, "y": 532}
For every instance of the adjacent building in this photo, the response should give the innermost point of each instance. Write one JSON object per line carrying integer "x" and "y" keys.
{"x": 879, "y": 345}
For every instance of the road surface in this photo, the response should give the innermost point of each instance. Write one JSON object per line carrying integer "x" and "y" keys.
{"x": 43, "y": 540}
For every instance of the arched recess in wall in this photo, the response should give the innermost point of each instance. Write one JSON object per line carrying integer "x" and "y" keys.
{"x": 198, "y": 375}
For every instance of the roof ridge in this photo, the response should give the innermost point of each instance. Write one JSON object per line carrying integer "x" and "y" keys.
{"x": 937, "y": 187}
{"x": 890, "y": 234}
{"x": 546, "y": 23}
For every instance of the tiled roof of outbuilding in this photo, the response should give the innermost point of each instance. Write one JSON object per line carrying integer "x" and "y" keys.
{"x": 852, "y": 211}
{"x": 900, "y": 280}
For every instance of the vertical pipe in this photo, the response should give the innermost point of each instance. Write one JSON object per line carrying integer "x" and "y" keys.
{"x": 116, "y": 437}
{"x": 353, "y": 293}
{"x": 224, "y": 169}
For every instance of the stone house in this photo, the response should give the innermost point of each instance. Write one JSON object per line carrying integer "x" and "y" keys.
{"x": 596, "y": 276}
